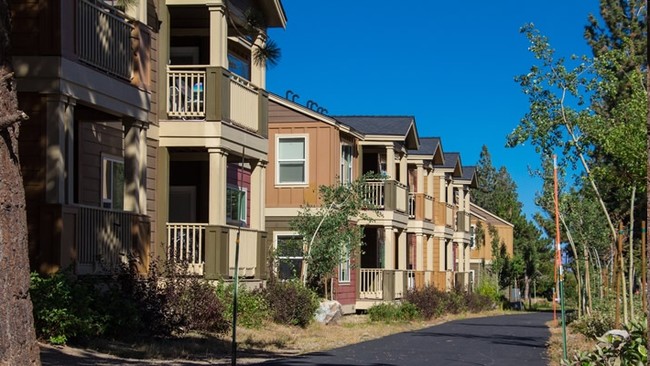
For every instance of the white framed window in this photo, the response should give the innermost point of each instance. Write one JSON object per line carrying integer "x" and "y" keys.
{"x": 112, "y": 182}
{"x": 289, "y": 252}
{"x": 236, "y": 202}
{"x": 291, "y": 152}
{"x": 344, "y": 268}
{"x": 346, "y": 164}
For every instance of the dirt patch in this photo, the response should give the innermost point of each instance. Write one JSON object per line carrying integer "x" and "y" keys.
{"x": 272, "y": 341}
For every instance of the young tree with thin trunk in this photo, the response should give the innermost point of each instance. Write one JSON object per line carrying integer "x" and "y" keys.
{"x": 17, "y": 337}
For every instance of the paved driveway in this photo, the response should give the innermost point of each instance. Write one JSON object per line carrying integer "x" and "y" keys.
{"x": 502, "y": 340}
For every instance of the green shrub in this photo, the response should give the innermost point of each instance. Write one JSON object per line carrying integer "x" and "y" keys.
{"x": 290, "y": 302}
{"x": 252, "y": 308}
{"x": 172, "y": 302}
{"x": 617, "y": 350}
{"x": 456, "y": 303}
{"x": 476, "y": 302}
{"x": 594, "y": 325}
{"x": 64, "y": 309}
{"x": 489, "y": 288}
{"x": 393, "y": 312}
{"x": 429, "y": 301}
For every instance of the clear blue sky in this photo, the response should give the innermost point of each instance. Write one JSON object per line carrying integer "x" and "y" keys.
{"x": 450, "y": 64}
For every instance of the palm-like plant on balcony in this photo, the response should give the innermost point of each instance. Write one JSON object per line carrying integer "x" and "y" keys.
{"x": 252, "y": 26}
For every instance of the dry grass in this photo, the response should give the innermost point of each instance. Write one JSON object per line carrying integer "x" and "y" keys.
{"x": 269, "y": 342}
{"x": 576, "y": 342}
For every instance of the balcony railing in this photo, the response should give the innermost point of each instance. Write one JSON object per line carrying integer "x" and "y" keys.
{"x": 186, "y": 245}
{"x": 428, "y": 207}
{"x": 375, "y": 194}
{"x": 103, "y": 38}
{"x": 401, "y": 195}
{"x": 199, "y": 92}
{"x": 449, "y": 215}
{"x": 186, "y": 95}
{"x": 371, "y": 282}
{"x": 411, "y": 205}
{"x": 104, "y": 239}
{"x": 384, "y": 284}
{"x": 247, "y": 252}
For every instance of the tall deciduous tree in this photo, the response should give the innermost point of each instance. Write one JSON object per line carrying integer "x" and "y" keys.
{"x": 328, "y": 231}
{"x": 17, "y": 338}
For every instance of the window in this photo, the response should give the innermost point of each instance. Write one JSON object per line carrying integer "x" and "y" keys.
{"x": 290, "y": 255}
{"x": 344, "y": 268}
{"x": 112, "y": 183}
{"x": 239, "y": 65}
{"x": 236, "y": 204}
{"x": 346, "y": 163}
{"x": 292, "y": 164}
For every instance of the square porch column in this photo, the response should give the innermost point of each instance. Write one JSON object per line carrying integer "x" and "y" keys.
{"x": 429, "y": 253}
{"x": 449, "y": 247}
{"x": 59, "y": 159}
{"x": 419, "y": 252}
{"x": 258, "y": 72}
{"x": 442, "y": 252}
{"x": 218, "y": 34}
{"x": 403, "y": 169}
{"x": 135, "y": 166}
{"x": 419, "y": 179}
{"x": 258, "y": 193}
{"x": 390, "y": 162}
{"x": 217, "y": 186}
{"x": 401, "y": 250}
{"x": 389, "y": 248}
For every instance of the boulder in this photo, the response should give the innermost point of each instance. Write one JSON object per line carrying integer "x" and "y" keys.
{"x": 329, "y": 312}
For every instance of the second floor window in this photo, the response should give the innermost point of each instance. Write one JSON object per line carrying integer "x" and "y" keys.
{"x": 112, "y": 183}
{"x": 236, "y": 204}
{"x": 292, "y": 162}
{"x": 346, "y": 163}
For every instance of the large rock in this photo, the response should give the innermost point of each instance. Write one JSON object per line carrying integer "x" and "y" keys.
{"x": 329, "y": 312}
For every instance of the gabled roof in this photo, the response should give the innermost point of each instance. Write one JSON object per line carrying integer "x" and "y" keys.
{"x": 452, "y": 164}
{"x": 469, "y": 176}
{"x": 393, "y": 128}
{"x": 430, "y": 148}
{"x": 482, "y": 213}
{"x": 274, "y": 13}
{"x": 313, "y": 114}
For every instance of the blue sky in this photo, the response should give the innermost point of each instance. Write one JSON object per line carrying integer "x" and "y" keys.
{"x": 450, "y": 64}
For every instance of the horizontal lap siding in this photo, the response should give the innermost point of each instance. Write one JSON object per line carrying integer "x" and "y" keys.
{"x": 323, "y": 156}
{"x": 152, "y": 156}
{"x": 95, "y": 139}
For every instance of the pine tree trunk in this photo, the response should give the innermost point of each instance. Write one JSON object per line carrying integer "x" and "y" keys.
{"x": 17, "y": 338}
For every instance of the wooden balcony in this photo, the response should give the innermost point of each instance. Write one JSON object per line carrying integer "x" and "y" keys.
{"x": 387, "y": 195}
{"x": 420, "y": 207}
{"x": 391, "y": 284}
{"x": 207, "y": 93}
{"x": 103, "y": 38}
{"x": 91, "y": 240}
{"x": 209, "y": 250}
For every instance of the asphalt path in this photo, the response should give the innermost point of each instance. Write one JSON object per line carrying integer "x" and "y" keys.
{"x": 506, "y": 340}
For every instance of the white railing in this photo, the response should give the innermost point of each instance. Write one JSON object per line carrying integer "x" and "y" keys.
{"x": 411, "y": 205}
{"x": 371, "y": 283}
{"x": 449, "y": 215}
{"x": 400, "y": 197}
{"x": 247, "y": 252}
{"x": 428, "y": 207}
{"x": 186, "y": 245}
{"x": 410, "y": 279}
{"x": 400, "y": 282}
{"x": 104, "y": 38}
{"x": 186, "y": 92}
{"x": 104, "y": 239}
{"x": 375, "y": 193}
{"x": 244, "y": 102}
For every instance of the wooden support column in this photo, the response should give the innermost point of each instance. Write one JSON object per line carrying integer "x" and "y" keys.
{"x": 135, "y": 166}
{"x": 59, "y": 159}
{"x": 389, "y": 248}
{"x": 217, "y": 184}
{"x": 218, "y": 34}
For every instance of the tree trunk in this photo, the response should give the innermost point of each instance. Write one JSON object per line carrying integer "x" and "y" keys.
{"x": 587, "y": 284}
{"x": 17, "y": 338}
{"x": 527, "y": 290}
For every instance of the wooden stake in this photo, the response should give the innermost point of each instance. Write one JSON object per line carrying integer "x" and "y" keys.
{"x": 617, "y": 319}
{"x": 644, "y": 300}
